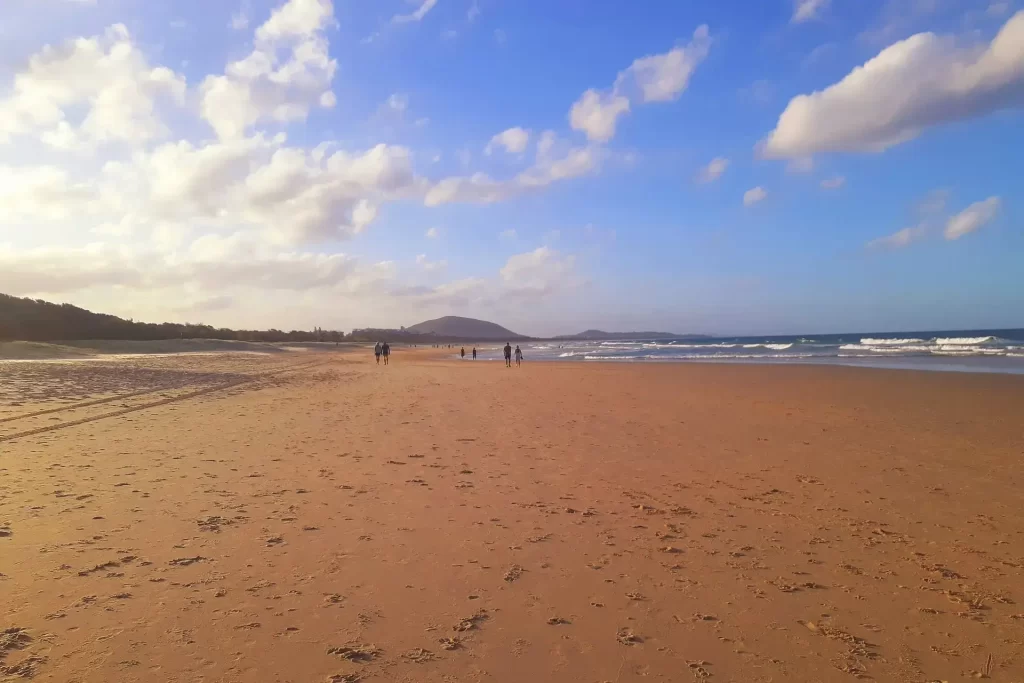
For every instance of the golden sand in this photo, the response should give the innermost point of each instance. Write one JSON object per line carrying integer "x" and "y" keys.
{"x": 311, "y": 517}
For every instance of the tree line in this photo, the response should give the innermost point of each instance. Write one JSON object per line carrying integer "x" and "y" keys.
{"x": 43, "y": 321}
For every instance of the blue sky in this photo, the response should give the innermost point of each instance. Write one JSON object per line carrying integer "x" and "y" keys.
{"x": 727, "y": 167}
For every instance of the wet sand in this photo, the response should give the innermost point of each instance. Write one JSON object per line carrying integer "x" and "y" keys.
{"x": 312, "y": 517}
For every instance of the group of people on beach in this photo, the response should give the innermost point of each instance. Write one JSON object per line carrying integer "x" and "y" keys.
{"x": 507, "y": 351}
{"x": 383, "y": 350}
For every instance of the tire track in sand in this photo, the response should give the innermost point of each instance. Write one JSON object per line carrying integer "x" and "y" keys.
{"x": 143, "y": 406}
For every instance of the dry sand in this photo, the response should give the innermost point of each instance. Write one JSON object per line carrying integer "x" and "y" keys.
{"x": 312, "y": 518}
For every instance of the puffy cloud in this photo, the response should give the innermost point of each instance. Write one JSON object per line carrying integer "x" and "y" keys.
{"x": 417, "y": 15}
{"x": 105, "y": 77}
{"x": 656, "y": 78}
{"x": 713, "y": 171}
{"x": 263, "y": 86}
{"x": 923, "y": 81}
{"x": 900, "y": 238}
{"x": 291, "y": 195}
{"x": 664, "y": 77}
{"x": 514, "y": 140}
{"x": 973, "y": 218}
{"x": 754, "y": 196}
{"x": 539, "y": 272}
{"x": 807, "y": 10}
{"x": 432, "y": 233}
{"x": 480, "y": 188}
{"x": 597, "y": 114}
{"x": 44, "y": 193}
{"x": 833, "y": 183}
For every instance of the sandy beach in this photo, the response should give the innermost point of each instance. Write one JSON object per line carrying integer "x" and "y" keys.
{"x": 310, "y": 517}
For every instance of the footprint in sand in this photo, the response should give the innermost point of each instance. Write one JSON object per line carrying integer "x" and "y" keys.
{"x": 452, "y": 643}
{"x": 513, "y": 573}
{"x": 627, "y": 637}
{"x": 355, "y": 653}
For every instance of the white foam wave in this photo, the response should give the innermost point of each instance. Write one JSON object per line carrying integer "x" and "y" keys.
{"x": 706, "y": 356}
{"x": 868, "y": 341}
{"x": 773, "y": 347}
{"x": 963, "y": 341}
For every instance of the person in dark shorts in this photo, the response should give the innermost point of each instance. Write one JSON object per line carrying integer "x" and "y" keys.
{"x": 474, "y": 353}
{"x": 463, "y": 352}
{"x": 376, "y": 352}
{"x": 385, "y": 351}
{"x": 519, "y": 356}
{"x": 508, "y": 355}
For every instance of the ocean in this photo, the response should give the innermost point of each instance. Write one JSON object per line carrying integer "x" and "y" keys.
{"x": 999, "y": 351}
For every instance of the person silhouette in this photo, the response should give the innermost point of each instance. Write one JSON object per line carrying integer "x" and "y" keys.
{"x": 519, "y": 356}
{"x": 474, "y": 353}
{"x": 463, "y": 353}
{"x": 385, "y": 350}
{"x": 508, "y": 355}
{"x": 376, "y": 352}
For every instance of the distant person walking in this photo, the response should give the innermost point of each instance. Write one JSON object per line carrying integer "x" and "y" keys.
{"x": 474, "y": 353}
{"x": 385, "y": 351}
{"x": 519, "y": 356}
{"x": 508, "y": 355}
{"x": 377, "y": 351}
{"x": 463, "y": 352}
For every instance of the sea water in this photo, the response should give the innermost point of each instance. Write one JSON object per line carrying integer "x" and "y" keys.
{"x": 961, "y": 350}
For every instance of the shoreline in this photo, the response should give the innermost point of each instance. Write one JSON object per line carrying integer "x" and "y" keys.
{"x": 983, "y": 366}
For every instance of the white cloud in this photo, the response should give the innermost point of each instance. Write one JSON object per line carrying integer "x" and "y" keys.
{"x": 430, "y": 266}
{"x": 656, "y": 78}
{"x": 514, "y": 140}
{"x": 713, "y": 171}
{"x": 539, "y": 272}
{"x": 754, "y": 196}
{"x": 664, "y": 77}
{"x": 474, "y": 12}
{"x": 545, "y": 144}
{"x": 597, "y": 114}
{"x": 433, "y": 233}
{"x": 833, "y": 183}
{"x": 973, "y": 218}
{"x": 417, "y": 14}
{"x": 900, "y": 238}
{"x": 509, "y": 234}
{"x": 808, "y": 10}
{"x": 106, "y": 78}
{"x": 482, "y": 189}
{"x": 266, "y": 87}
{"x": 45, "y": 193}
{"x": 923, "y": 81}
{"x": 290, "y": 195}
{"x": 214, "y": 263}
